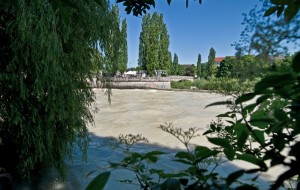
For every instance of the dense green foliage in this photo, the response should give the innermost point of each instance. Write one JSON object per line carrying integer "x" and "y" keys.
{"x": 225, "y": 69}
{"x": 262, "y": 131}
{"x": 243, "y": 67}
{"x": 115, "y": 54}
{"x": 174, "y": 65}
{"x": 211, "y": 67}
{"x": 47, "y": 54}
{"x": 154, "y": 44}
{"x": 199, "y": 65}
{"x": 123, "y": 60}
{"x": 226, "y": 86}
{"x": 182, "y": 84}
{"x": 140, "y": 7}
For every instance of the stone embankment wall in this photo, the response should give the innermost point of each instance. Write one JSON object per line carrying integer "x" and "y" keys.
{"x": 142, "y": 82}
{"x": 178, "y": 78}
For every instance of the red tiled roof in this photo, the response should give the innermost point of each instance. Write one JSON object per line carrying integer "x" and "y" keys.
{"x": 219, "y": 59}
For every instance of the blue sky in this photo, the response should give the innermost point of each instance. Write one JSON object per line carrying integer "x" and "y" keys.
{"x": 194, "y": 30}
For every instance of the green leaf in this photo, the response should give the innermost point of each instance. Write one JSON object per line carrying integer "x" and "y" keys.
{"x": 277, "y": 2}
{"x": 251, "y": 171}
{"x": 251, "y": 159}
{"x": 219, "y": 103}
{"x": 280, "y": 10}
{"x": 275, "y": 80}
{"x": 99, "y": 182}
{"x": 152, "y": 156}
{"x": 280, "y": 114}
{"x": 244, "y": 98}
{"x": 296, "y": 63}
{"x": 233, "y": 176}
{"x": 184, "y": 181}
{"x": 203, "y": 152}
{"x": 224, "y": 114}
{"x": 259, "y": 135}
{"x": 170, "y": 184}
{"x": 207, "y": 132}
{"x": 220, "y": 142}
{"x": 231, "y": 122}
{"x": 270, "y": 11}
{"x": 248, "y": 109}
{"x": 242, "y": 133}
{"x": 230, "y": 153}
{"x": 185, "y": 155}
{"x": 154, "y": 153}
{"x": 263, "y": 98}
{"x": 90, "y": 173}
{"x": 135, "y": 155}
{"x": 261, "y": 123}
{"x": 295, "y": 150}
{"x": 290, "y": 12}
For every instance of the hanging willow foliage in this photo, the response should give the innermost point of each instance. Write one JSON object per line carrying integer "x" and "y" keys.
{"x": 45, "y": 60}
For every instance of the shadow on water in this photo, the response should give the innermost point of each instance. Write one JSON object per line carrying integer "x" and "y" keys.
{"x": 99, "y": 154}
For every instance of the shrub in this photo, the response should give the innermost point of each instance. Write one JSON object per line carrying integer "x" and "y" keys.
{"x": 229, "y": 86}
{"x": 201, "y": 84}
{"x": 182, "y": 84}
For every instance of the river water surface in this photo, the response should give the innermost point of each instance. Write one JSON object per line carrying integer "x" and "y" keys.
{"x": 135, "y": 112}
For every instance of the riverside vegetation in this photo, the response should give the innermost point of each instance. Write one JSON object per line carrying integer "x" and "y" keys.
{"x": 257, "y": 133}
{"x": 262, "y": 127}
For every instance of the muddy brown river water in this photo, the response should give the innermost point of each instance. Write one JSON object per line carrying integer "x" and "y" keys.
{"x": 135, "y": 112}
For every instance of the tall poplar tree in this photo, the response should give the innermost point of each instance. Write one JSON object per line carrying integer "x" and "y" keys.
{"x": 154, "y": 44}
{"x": 113, "y": 42}
{"x": 199, "y": 66}
{"x": 116, "y": 54}
{"x": 163, "y": 54}
{"x": 123, "y": 60}
{"x": 152, "y": 63}
{"x": 144, "y": 41}
{"x": 175, "y": 65}
{"x": 211, "y": 62}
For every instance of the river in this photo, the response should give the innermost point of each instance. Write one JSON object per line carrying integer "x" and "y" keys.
{"x": 135, "y": 112}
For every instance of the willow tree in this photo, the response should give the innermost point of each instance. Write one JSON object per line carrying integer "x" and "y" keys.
{"x": 47, "y": 53}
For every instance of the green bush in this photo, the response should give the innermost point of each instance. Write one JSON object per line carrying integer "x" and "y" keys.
{"x": 201, "y": 84}
{"x": 182, "y": 84}
{"x": 229, "y": 86}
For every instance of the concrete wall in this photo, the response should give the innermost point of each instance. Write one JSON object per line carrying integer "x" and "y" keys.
{"x": 143, "y": 85}
{"x": 178, "y": 78}
{"x": 142, "y": 82}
